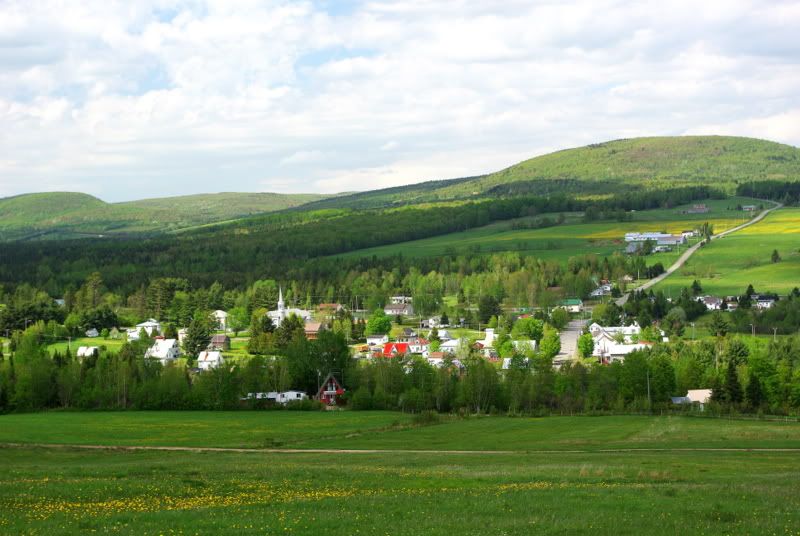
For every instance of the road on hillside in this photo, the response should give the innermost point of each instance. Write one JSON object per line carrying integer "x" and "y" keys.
{"x": 689, "y": 252}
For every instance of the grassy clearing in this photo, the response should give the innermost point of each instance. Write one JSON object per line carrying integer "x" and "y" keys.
{"x": 248, "y": 429}
{"x": 65, "y": 492}
{"x": 110, "y": 344}
{"x": 728, "y": 265}
{"x": 569, "y": 239}
{"x": 385, "y": 430}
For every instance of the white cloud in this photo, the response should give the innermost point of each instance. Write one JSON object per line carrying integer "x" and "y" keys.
{"x": 133, "y": 99}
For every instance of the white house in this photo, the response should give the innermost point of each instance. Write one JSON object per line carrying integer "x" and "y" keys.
{"x": 450, "y": 346}
{"x": 627, "y": 331}
{"x": 395, "y": 300}
{"x": 221, "y": 318}
{"x": 150, "y": 327}
{"x": 285, "y": 397}
{"x": 763, "y": 302}
{"x": 92, "y": 333}
{"x": 208, "y": 360}
{"x": 282, "y": 312}
{"x": 712, "y": 303}
{"x": 377, "y": 339}
{"x": 700, "y": 396}
{"x": 164, "y": 350}
{"x": 610, "y": 351}
{"x": 419, "y": 346}
{"x": 444, "y": 335}
{"x": 87, "y": 351}
{"x": 488, "y": 338}
{"x": 282, "y": 398}
{"x": 402, "y": 309}
{"x": 602, "y": 290}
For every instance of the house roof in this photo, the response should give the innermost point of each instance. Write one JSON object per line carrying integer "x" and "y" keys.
{"x": 391, "y": 349}
{"x": 209, "y": 357}
{"x": 219, "y": 338}
{"x": 329, "y": 305}
{"x": 313, "y": 327}
{"x": 161, "y": 347}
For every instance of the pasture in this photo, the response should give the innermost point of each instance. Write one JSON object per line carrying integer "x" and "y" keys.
{"x": 728, "y": 265}
{"x": 572, "y": 238}
{"x": 596, "y": 490}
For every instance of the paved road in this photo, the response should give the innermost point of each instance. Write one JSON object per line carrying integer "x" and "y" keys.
{"x": 569, "y": 340}
{"x": 689, "y": 252}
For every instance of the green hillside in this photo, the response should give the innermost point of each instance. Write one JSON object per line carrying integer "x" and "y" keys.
{"x": 609, "y": 167}
{"x": 70, "y": 215}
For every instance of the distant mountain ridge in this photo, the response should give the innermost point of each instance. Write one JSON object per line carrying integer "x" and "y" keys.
{"x": 601, "y": 168}
{"x": 595, "y": 170}
{"x": 73, "y": 215}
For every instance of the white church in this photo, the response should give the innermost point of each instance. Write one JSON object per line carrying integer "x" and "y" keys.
{"x": 282, "y": 312}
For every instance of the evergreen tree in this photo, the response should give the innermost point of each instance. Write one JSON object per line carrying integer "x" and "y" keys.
{"x": 197, "y": 337}
{"x": 754, "y": 394}
{"x": 733, "y": 389}
{"x": 776, "y": 257}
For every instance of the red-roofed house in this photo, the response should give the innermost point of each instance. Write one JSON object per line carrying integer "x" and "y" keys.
{"x": 329, "y": 392}
{"x": 393, "y": 349}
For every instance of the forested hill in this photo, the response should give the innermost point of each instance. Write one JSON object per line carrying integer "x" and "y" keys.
{"x": 57, "y": 215}
{"x": 610, "y": 167}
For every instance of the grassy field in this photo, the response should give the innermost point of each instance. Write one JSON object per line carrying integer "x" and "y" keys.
{"x": 110, "y": 344}
{"x": 728, "y": 265}
{"x": 66, "y": 491}
{"x": 569, "y": 239}
{"x": 387, "y": 430}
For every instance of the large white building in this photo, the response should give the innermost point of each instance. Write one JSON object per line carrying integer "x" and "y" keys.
{"x": 151, "y": 327}
{"x": 164, "y": 350}
{"x": 282, "y": 312}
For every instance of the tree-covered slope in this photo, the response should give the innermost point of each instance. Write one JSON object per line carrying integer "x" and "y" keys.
{"x": 607, "y": 168}
{"x": 70, "y": 215}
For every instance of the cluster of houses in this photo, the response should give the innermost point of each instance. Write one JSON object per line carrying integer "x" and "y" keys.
{"x": 662, "y": 241}
{"x": 613, "y": 343}
{"x": 731, "y": 303}
{"x": 410, "y": 343}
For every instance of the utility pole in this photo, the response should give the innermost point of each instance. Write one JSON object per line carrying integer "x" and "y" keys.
{"x": 753, "y": 329}
{"x": 693, "y": 332}
{"x": 774, "y": 334}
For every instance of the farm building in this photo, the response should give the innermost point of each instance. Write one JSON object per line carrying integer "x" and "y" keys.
{"x": 87, "y": 351}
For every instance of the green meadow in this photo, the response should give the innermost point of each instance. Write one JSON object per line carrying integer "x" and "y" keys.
{"x": 579, "y": 483}
{"x": 569, "y": 239}
{"x": 390, "y": 430}
{"x": 728, "y": 265}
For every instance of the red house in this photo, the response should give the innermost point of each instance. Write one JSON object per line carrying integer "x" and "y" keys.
{"x": 331, "y": 389}
{"x": 394, "y": 349}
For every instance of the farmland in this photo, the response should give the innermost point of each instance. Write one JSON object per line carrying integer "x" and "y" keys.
{"x": 62, "y": 491}
{"x": 728, "y": 265}
{"x": 567, "y": 240}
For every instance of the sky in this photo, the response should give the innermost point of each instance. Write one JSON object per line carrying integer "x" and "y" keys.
{"x": 128, "y": 100}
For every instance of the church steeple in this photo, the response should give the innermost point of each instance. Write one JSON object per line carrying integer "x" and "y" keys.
{"x": 281, "y": 304}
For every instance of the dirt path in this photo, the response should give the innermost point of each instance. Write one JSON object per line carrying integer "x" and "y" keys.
{"x": 689, "y": 252}
{"x": 133, "y": 448}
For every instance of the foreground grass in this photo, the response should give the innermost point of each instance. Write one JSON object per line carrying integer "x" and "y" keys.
{"x": 46, "y": 491}
{"x": 246, "y": 429}
{"x": 388, "y": 430}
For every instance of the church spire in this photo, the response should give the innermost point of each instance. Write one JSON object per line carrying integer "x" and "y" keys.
{"x": 281, "y": 304}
